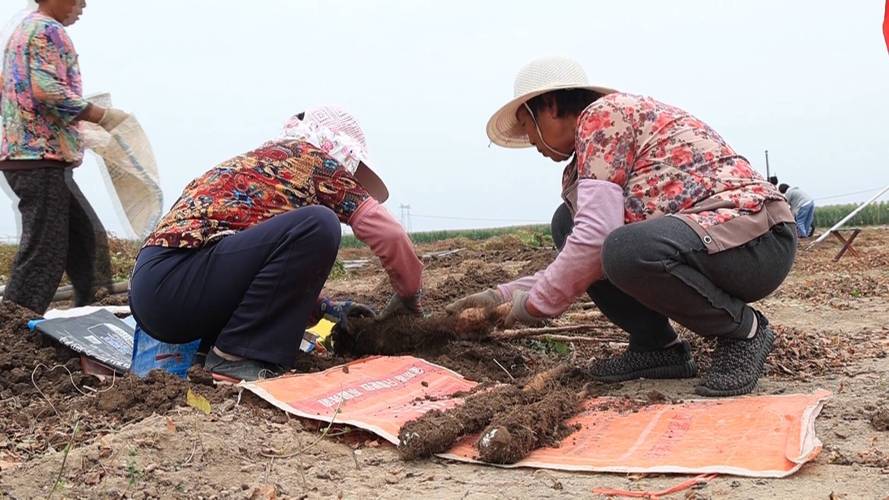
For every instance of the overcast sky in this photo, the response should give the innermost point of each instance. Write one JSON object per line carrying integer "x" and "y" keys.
{"x": 209, "y": 79}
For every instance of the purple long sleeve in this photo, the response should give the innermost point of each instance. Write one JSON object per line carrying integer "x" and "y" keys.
{"x": 600, "y": 210}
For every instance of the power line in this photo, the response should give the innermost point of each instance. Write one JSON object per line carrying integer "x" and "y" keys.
{"x": 406, "y": 214}
{"x": 872, "y": 190}
{"x": 478, "y": 219}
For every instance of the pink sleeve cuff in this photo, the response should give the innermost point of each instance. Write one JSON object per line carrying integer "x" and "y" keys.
{"x": 600, "y": 210}
{"x": 373, "y": 225}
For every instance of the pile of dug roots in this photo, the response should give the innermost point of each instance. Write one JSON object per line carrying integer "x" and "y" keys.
{"x": 512, "y": 420}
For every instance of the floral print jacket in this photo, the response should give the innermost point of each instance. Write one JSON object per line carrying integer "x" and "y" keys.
{"x": 253, "y": 187}
{"x": 667, "y": 162}
{"x": 280, "y": 176}
{"x": 41, "y": 93}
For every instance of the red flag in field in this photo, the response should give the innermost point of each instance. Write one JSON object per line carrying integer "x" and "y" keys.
{"x": 886, "y": 25}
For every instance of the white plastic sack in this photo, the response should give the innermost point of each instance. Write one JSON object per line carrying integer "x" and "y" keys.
{"x": 127, "y": 161}
{"x": 84, "y": 311}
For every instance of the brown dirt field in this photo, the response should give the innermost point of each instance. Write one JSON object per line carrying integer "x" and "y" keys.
{"x": 138, "y": 439}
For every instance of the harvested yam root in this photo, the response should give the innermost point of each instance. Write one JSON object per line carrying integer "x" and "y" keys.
{"x": 437, "y": 431}
{"x": 402, "y": 334}
{"x": 515, "y": 433}
{"x": 478, "y": 322}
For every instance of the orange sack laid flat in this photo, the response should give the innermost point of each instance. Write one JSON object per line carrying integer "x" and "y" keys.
{"x": 757, "y": 436}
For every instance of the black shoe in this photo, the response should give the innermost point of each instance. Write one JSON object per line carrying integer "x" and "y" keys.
{"x": 672, "y": 362}
{"x": 738, "y": 363}
{"x": 233, "y": 372}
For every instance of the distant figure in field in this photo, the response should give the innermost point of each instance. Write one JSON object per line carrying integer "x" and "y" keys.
{"x": 803, "y": 207}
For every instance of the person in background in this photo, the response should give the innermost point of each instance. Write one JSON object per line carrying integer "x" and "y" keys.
{"x": 240, "y": 260}
{"x": 803, "y": 207}
{"x": 41, "y": 103}
{"x": 661, "y": 220}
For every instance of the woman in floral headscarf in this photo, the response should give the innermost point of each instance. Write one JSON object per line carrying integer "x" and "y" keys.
{"x": 241, "y": 258}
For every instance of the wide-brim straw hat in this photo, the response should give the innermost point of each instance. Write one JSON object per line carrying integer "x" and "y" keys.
{"x": 536, "y": 78}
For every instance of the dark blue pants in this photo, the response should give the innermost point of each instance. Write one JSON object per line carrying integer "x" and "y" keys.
{"x": 251, "y": 294}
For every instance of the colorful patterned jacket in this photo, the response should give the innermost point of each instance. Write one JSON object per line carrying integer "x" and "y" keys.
{"x": 41, "y": 95}
{"x": 280, "y": 176}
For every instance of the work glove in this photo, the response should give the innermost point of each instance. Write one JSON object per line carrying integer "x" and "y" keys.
{"x": 402, "y": 306}
{"x": 112, "y": 118}
{"x": 487, "y": 299}
{"x": 340, "y": 312}
{"x": 519, "y": 312}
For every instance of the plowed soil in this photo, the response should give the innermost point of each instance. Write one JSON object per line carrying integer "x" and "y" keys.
{"x": 137, "y": 438}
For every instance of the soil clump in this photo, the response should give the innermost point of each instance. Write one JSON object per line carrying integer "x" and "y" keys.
{"x": 45, "y": 393}
{"x": 880, "y": 419}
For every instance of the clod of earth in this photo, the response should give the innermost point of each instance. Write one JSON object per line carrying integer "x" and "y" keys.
{"x": 656, "y": 397}
{"x": 880, "y": 419}
{"x": 42, "y": 381}
{"x": 402, "y": 334}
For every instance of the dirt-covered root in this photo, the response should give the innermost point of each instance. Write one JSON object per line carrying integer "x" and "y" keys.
{"x": 477, "y": 323}
{"x": 515, "y": 433}
{"x": 552, "y": 377}
{"x": 403, "y": 334}
{"x": 396, "y": 335}
{"x": 437, "y": 431}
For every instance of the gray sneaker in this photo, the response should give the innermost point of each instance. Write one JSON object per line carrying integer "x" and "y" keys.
{"x": 738, "y": 363}
{"x": 672, "y": 362}
{"x": 233, "y": 372}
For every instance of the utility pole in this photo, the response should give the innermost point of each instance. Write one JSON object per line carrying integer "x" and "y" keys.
{"x": 405, "y": 217}
{"x": 768, "y": 171}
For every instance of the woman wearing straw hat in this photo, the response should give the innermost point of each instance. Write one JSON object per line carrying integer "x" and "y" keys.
{"x": 661, "y": 220}
{"x": 241, "y": 258}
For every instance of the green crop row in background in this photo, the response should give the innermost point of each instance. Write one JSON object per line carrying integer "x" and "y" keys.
{"x": 873, "y": 215}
